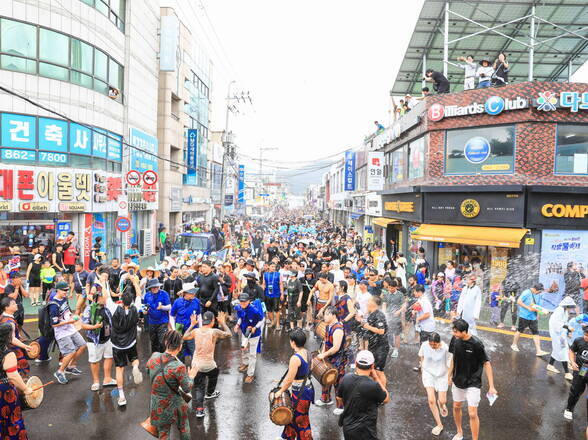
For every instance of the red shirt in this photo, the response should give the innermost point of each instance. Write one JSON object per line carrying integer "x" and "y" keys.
{"x": 70, "y": 255}
{"x": 584, "y": 285}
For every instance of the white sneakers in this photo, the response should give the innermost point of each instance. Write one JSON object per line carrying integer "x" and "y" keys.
{"x": 457, "y": 436}
{"x": 541, "y": 353}
{"x": 568, "y": 415}
{"x": 437, "y": 430}
{"x": 122, "y": 401}
{"x": 137, "y": 375}
{"x": 514, "y": 348}
{"x": 95, "y": 387}
{"x": 552, "y": 368}
{"x": 338, "y": 411}
{"x": 319, "y": 402}
{"x": 569, "y": 376}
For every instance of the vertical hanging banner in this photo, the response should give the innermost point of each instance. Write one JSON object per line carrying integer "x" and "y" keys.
{"x": 241, "y": 197}
{"x": 349, "y": 171}
{"x": 192, "y": 151}
{"x": 375, "y": 171}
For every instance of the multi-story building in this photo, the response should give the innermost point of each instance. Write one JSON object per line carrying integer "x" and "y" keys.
{"x": 499, "y": 176}
{"x": 91, "y": 66}
{"x": 184, "y": 107}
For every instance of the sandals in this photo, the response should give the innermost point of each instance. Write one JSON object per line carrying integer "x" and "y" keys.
{"x": 443, "y": 410}
{"x": 437, "y": 430}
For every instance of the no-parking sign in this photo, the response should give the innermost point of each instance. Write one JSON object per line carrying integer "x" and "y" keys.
{"x": 133, "y": 177}
{"x": 150, "y": 177}
{"x": 123, "y": 224}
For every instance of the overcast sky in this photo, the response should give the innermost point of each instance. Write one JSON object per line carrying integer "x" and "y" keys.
{"x": 319, "y": 71}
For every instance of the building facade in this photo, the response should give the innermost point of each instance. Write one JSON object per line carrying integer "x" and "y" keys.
{"x": 184, "y": 108}
{"x": 63, "y": 165}
{"x": 498, "y": 175}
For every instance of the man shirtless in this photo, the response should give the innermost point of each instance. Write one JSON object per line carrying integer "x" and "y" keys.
{"x": 326, "y": 292}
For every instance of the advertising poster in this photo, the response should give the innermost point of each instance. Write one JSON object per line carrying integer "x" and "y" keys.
{"x": 99, "y": 230}
{"x": 558, "y": 248}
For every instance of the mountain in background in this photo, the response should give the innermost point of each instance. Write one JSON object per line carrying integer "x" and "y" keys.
{"x": 299, "y": 180}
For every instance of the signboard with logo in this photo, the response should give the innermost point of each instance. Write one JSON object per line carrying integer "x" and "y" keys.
{"x": 49, "y": 141}
{"x": 349, "y": 172}
{"x": 493, "y": 106}
{"x": 175, "y": 198}
{"x": 375, "y": 171}
{"x": 403, "y": 206}
{"x": 480, "y": 150}
{"x": 558, "y": 248}
{"x": 483, "y": 209}
{"x": 143, "y": 151}
{"x": 63, "y": 228}
{"x": 373, "y": 205}
{"x": 122, "y": 224}
{"x": 548, "y": 101}
{"x": 558, "y": 209}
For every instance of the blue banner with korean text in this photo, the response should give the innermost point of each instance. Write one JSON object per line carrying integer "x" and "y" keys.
{"x": 349, "y": 172}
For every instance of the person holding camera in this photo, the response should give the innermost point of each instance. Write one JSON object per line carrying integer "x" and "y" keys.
{"x": 440, "y": 83}
{"x": 169, "y": 380}
{"x": 484, "y": 74}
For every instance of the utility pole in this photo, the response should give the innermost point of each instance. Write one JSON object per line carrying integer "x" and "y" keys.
{"x": 228, "y": 147}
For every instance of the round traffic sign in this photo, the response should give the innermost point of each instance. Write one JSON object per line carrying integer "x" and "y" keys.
{"x": 133, "y": 177}
{"x": 123, "y": 224}
{"x": 150, "y": 177}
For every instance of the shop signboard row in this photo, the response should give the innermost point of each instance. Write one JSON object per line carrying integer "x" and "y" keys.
{"x": 50, "y": 141}
{"x": 47, "y": 189}
{"x": 545, "y": 101}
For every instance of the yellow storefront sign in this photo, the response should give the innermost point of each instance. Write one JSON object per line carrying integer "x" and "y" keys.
{"x": 399, "y": 206}
{"x": 496, "y": 167}
{"x": 5, "y": 206}
{"x": 568, "y": 211}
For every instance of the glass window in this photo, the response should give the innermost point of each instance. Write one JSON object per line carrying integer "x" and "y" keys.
{"x": 115, "y": 76}
{"x": 54, "y": 47}
{"x": 18, "y": 38}
{"x": 416, "y": 158}
{"x": 18, "y": 64}
{"x": 89, "y": 2}
{"x": 82, "y": 56}
{"x": 100, "y": 86}
{"x": 80, "y": 161}
{"x": 398, "y": 164}
{"x": 81, "y": 79}
{"x": 100, "y": 65}
{"x": 118, "y": 7}
{"x": 480, "y": 150}
{"x": 571, "y": 154}
{"x": 102, "y": 6}
{"x": 54, "y": 72}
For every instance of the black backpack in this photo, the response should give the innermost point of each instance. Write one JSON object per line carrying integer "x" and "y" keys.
{"x": 45, "y": 327}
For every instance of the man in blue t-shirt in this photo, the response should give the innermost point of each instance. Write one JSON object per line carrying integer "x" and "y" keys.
{"x": 272, "y": 286}
{"x": 182, "y": 311}
{"x": 529, "y": 306}
{"x": 158, "y": 307}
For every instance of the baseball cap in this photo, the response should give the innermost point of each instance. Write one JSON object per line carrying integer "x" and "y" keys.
{"x": 365, "y": 358}
{"x": 207, "y": 318}
{"x": 62, "y": 285}
{"x": 244, "y": 297}
{"x": 364, "y": 282}
{"x": 191, "y": 291}
{"x": 539, "y": 287}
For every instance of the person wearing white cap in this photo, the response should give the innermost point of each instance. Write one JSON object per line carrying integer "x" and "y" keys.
{"x": 361, "y": 393}
{"x": 558, "y": 331}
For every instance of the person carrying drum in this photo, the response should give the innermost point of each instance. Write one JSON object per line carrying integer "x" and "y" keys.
{"x": 250, "y": 320}
{"x": 8, "y": 308}
{"x": 12, "y": 425}
{"x": 334, "y": 352}
{"x": 297, "y": 379}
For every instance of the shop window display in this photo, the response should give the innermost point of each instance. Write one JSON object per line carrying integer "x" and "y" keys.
{"x": 571, "y": 156}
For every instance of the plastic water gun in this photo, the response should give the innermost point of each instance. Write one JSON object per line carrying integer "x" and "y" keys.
{"x": 179, "y": 327}
{"x": 541, "y": 310}
{"x": 93, "y": 312}
{"x": 98, "y": 321}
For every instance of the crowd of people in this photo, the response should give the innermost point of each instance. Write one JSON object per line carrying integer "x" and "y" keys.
{"x": 300, "y": 276}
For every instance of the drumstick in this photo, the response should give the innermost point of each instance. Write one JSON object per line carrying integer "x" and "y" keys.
{"x": 42, "y": 386}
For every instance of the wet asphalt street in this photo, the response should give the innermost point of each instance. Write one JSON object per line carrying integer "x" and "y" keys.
{"x": 529, "y": 406}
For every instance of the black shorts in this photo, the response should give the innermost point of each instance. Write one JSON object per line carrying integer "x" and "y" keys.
{"x": 272, "y": 304}
{"x": 532, "y": 325}
{"x": 70, "y": 268}
{"x": 380, "y": 357}
{"x": 34, "y": 282}
{"x": 395, "y": 327}
{"x": 124, "y": 357}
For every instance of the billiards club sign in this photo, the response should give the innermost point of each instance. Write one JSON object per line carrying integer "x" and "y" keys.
{"x": 493, "y": 106}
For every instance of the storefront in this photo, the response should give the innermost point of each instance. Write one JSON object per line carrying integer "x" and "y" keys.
{"x": 39, "y": 203}
{"x": 402, "y": 209}
{"x": 482, "y": 229}
{"x": 560, "y": 214}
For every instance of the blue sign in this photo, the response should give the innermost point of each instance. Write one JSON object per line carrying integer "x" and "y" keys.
{"x": 99, "y": 143}
{"x": 241, "y": 185}
{"x": 143, "y": 151}
{"x": 123, "y": 224}
{"x": 574, "y": 101}
{"x": 192, "y": 150}
{"x": 494, "y": 105}
{"x": 80, "y": 140}
{"x": 263, "y": 195}
{"x": 349, "y": 171}
{"x": 46, "y": 157}
{"x": 10, "y": 154}
{"x": 477, "y": 150}
{"x": 53, "y": 135}
{"x": 114, "y": 147}
{"x": 19, "y": 131}
{"x": 63, "y": 228}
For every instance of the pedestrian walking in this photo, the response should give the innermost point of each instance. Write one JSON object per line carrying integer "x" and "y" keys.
{"x": 250, "y": 321}
{"x": 361, "y": 394}
{"x": 578, "y": 358}
{"x": 434, "y": 361}
{"x": 559, "y": 331}
{"x": 158, "y": 306}
{"x": 470, "y": 304}
{"x": 468, "y": 362}
{"x": 529, "y": 306}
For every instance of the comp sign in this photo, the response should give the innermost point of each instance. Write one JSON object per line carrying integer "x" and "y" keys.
{"x": 493, "y": 106}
